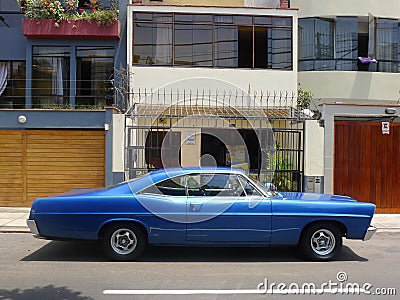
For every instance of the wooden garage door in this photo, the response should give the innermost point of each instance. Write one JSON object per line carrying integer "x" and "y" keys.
{"x": 11, "y": 168}
{"x": 49, "y": 162}
{"x": 367, "y": 163}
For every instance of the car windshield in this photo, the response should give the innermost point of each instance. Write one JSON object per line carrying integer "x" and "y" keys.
{"x": 263, "y": 188}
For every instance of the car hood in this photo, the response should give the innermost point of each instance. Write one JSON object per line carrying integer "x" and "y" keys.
{"x": 315, "y": 197}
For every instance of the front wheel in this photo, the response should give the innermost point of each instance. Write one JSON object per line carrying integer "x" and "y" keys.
{"x": 321, "y": 242}
{"x": 123, "y": 241}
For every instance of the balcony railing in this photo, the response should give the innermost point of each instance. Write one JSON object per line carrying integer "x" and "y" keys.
{"x": 16, "y": 97}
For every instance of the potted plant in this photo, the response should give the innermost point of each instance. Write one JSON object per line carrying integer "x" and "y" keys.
{"x": 63, "y": 18}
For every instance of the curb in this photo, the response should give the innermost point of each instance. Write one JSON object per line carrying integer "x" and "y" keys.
{"x": 12, "y": 229}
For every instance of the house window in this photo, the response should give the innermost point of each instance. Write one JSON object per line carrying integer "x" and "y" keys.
{"x": 316, "y": 49}
{"x": 378, "y": 38}
{"x": 12, "y": 84}
{"x": 207, "y": 40}
{"x": 193, "y": 40}
{"x": 94, "y": 74}
{"x": 387, "y": 44}
{"x": 346, "y": 43}
{"x": 50, "y": 76}
{"x": 153, "y": 39}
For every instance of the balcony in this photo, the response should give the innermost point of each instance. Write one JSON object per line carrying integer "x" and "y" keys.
{"x": 46, "y": 28}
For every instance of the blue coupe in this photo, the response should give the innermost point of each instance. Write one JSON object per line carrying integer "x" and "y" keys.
{"x": 201, "y": 207}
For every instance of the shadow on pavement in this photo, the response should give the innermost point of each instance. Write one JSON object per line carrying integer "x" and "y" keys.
{"x": 49, "y": 292}
{"x": 90, "y": 251}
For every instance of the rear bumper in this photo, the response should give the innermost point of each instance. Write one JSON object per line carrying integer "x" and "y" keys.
{"x": 370, "y": 233}
{"x": 33, "y": 228}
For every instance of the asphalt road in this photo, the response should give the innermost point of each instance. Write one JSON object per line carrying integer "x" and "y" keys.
{"x": 38, "y": 269}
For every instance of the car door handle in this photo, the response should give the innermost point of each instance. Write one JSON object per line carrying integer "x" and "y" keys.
{"x": 195, "y": 206}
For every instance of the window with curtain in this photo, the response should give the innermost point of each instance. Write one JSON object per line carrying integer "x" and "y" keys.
{"x": 346, "y": 43}
{"x": 152, "y": 39}
{"x": 316, "y": 47}
{"x": 12, "y": 84}
{"x": 317, "y": 44}
{"x": 94, "y": 74}
{"x": 50, "y": 76}
{"x": 387, "y": 44}
{"x": 306, "y": 44}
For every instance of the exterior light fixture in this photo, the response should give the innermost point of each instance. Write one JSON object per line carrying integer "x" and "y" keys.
{"x": 21, "y": 119}
{"x": 390, "y": 111}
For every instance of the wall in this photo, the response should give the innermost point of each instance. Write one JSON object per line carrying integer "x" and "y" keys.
{"x": 313, "y": 149}
{"x": 237, "y": 3}
{"x": 312, "y": 8}
{"x": 12, "y": 41}
{"x": 253, "y": 80}
{"x": 351, "y": 86}
{"x": 118, "y": 147}
{"x": 190, "y": 154}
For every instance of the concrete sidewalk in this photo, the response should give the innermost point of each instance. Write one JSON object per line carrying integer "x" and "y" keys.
{"x": 13, "y": 219}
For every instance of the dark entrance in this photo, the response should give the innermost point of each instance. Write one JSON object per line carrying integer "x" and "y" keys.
{"x": 213, "y": 146}
{"x": 163, "y": 144}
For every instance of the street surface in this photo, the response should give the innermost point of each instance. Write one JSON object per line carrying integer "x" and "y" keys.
{"x": 39, "y": 269}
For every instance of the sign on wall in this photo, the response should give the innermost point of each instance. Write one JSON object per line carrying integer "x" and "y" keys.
{"x": 385, "y": 128}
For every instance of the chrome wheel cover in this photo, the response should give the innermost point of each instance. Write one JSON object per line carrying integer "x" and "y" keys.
{"x": 123, "y": 241}
{"x": 323, "y": 242}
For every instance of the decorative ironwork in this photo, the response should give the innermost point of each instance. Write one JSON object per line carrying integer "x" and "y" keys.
{"x": 269, "y": 124}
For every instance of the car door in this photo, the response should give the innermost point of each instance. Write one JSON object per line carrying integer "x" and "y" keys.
{"x": 166, "y": 204}
{"x": 226, "y": 208}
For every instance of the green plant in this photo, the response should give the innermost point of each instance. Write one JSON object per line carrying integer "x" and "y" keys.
{"x": 103, "y": 17}
{"x": 43, "y": 9}
{"x": 304, "y": 98}
{"x": 65, "y": 10}
{"x": 276, "y": 161}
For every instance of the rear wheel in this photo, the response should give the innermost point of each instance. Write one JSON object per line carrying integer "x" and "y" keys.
{"x": 321, "y": 242}
{"x": 123, "y": 241}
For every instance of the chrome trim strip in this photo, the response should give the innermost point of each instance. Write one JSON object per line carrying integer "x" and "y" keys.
{"x": 370, "y": 232}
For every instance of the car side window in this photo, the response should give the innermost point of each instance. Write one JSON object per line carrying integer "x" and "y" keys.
{"x": 221, "y": 185}
{"x": 249, "y": 188}
{"x": 169, "y": 187}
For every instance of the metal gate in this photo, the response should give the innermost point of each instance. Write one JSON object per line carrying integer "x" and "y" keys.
{"x": 261, "y": 133}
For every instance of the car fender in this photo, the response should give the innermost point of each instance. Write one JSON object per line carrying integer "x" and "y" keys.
{"x": 119, "y": 220}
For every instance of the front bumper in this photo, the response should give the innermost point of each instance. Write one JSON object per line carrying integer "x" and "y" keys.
{"x": 33, "y": 228}
{"x": 370, "y": 233}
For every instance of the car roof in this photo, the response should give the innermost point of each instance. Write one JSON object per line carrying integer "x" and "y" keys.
{"x": 172, "y": 172}
{"x": 162, "y": 174}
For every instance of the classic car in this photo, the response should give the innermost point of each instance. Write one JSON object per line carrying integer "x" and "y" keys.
{"x": 201, "y": 207}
